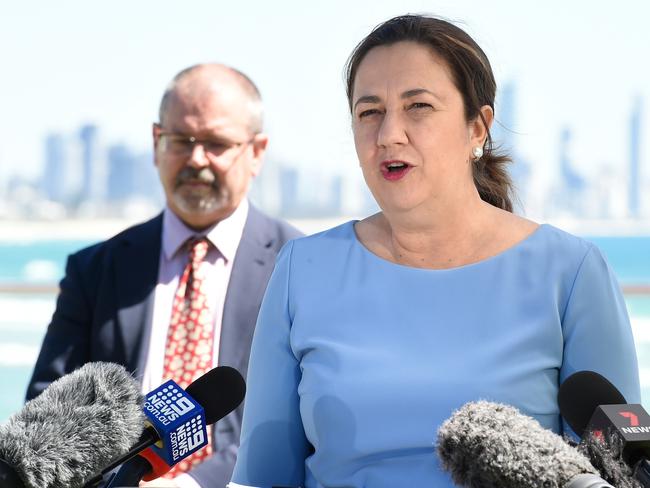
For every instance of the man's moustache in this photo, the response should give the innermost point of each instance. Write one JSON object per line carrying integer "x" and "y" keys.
{"x": 204, "y": 175}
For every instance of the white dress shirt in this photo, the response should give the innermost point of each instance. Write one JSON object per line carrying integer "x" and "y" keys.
{"x": 224, "y": 238}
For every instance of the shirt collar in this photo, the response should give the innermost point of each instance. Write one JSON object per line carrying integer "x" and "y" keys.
{"x": 224, "y": 235}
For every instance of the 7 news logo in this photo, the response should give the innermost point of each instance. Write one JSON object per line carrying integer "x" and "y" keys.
{"x": 634, "y": 420}
{"x": 634, "y": 427}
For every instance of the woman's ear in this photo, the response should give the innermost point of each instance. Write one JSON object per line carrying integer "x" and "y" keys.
{"x": 478, "y": 128}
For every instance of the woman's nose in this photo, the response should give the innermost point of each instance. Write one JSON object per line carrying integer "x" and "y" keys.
{"x": 392, "y": 131}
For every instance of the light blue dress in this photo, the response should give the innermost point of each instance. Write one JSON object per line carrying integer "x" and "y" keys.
{"x": 356, "y": 361}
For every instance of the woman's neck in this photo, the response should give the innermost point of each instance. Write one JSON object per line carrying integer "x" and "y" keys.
{"x": 447, "y": 241}
{"x": 437, "y": 238}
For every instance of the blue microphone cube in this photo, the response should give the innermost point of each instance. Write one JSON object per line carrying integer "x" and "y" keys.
{"x": 179, "y": 421}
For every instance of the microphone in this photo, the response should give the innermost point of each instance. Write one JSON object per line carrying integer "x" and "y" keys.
{"x": 606, "y": 455}
{"x": 491, "y": 445}
{"x": 614, "y": 433}
{"x": 9, "y": 477}
{"x": 581, "y": 393}
{"x": 176, "y": 424}
{"x": 72, "y": 429}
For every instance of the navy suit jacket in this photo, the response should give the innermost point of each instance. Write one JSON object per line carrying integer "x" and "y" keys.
{"x": 106, "y": 297}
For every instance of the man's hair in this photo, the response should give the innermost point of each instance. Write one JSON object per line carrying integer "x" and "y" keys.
{"x": 244, "y": 82}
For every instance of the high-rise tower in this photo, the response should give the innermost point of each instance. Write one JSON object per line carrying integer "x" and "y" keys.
{"x": 634, "y": 181}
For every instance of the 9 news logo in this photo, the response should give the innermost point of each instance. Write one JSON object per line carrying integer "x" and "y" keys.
{"x": 187, "y": 437}
{"x": 168, "y": 404}
{"x": 179, "y": 421}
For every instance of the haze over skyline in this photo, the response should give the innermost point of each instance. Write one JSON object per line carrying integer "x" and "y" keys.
{"x": 577, "y": 64}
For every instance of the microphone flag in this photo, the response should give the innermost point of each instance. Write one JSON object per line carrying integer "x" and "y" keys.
{"x": 178, "y": 419}
{"x": 629, "y": 421}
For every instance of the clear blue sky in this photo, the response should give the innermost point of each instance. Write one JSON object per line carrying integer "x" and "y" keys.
{"x": 577, "y": 63}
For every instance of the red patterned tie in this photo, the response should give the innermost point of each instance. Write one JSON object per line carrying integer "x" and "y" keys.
{"x": 188, "y": 353}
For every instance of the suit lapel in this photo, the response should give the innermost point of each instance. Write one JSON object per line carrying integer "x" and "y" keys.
{"x": 254, "y": 262}
{"x": 136, "y": 274}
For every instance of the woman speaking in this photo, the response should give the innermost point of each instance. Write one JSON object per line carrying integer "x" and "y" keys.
{"x": 372, "y": 333}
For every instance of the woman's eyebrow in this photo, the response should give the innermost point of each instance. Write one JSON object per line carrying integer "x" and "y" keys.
{"x": 407, "y": 94}
{"x": 418, "y": 91}
{"x": 367, "y": 99}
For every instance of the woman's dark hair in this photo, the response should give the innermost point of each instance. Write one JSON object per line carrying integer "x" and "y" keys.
{"x": 472, "y": 75}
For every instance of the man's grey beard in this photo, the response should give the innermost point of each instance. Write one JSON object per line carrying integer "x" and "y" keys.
{"x": 202, "y": 200}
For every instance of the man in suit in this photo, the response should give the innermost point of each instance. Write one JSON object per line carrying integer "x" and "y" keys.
{"x": 118, "y": 297}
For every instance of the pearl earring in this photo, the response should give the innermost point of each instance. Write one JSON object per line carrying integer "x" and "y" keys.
{"x": 477, "y": 152}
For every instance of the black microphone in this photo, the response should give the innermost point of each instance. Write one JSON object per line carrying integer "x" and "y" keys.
{"x": 219, "y": 392}
{"x": 491, "y": 445}
{"x": 606, "y": 455}
{"x": 9, "y": 477}
{"x": 71, "y": 430}
{"x": 616, "y": 434}
{"x": 581, "y": 393}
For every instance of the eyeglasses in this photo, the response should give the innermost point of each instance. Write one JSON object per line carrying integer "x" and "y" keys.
{"x": 183, "y": 145}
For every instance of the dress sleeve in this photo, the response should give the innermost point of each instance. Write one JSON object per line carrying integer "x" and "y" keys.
{"x": 273, "y": 445}
{"x": 596, "y": 328}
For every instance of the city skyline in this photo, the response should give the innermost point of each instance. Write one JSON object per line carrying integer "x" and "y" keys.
{"x": 85, "y": 177}
{"x": 574, "y": 65}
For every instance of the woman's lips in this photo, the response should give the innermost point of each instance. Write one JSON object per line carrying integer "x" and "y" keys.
{"x": 394, "y": 170}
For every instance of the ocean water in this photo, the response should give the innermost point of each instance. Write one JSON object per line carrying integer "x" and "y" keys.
{"x": 24, "y": 316}
{"x": 37, "y": 261}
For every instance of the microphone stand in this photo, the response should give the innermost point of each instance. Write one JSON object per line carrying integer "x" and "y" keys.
{"x": 8, "y": 476}
{"x": 130, "y": 474}
{"x": 148, "y": 438}
{"x": 642, "y": 472}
